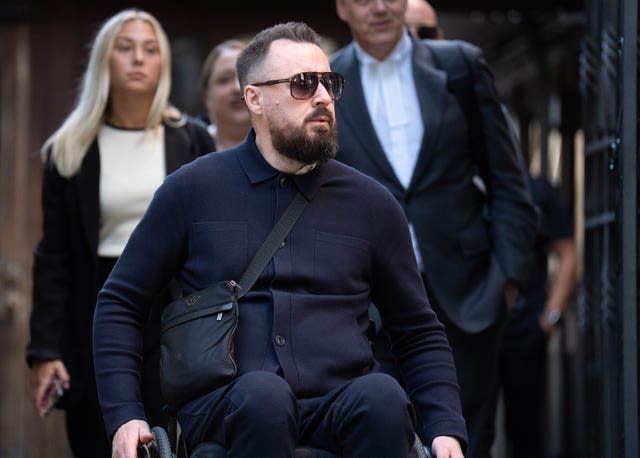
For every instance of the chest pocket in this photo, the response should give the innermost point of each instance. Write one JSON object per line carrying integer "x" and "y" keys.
{"x": 219, "y": 249}
{"x": 341, "y": 264}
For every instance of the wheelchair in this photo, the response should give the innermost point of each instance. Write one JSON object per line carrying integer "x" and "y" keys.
{"x": 169, "y": 444}
{"x": 162, "y": 446}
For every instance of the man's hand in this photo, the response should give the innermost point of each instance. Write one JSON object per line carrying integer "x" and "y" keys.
{"x": 446, "y": 447}
{"x": 128, "y": 437}
{"x": 42, "y": 375}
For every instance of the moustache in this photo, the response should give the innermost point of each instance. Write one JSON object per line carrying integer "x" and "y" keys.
{"x": 321, "y": 112}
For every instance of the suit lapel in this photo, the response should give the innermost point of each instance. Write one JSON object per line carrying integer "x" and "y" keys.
{"x": 354, "y": 105}
{"x": 88, "y": 182}
{"x": 177, "y": 148}
{"x": 431, "y": 87}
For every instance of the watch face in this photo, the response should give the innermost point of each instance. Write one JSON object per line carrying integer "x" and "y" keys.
{"x": 553, "y": 317}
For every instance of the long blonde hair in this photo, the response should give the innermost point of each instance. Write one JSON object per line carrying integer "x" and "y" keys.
{"x": 69, "y": 144}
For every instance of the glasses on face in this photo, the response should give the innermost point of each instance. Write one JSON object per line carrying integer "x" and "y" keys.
{"x": 428, "y": 31}
{"x": 303, "y": 85}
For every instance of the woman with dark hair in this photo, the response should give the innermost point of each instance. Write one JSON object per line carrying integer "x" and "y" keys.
{"x": 102, "y": 166}
{"x": 227, "y": 114}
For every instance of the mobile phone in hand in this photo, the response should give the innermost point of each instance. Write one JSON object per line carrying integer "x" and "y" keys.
{"x": 52, "y": 395}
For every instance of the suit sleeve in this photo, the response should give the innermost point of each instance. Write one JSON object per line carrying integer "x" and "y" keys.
{"x": 51, "y": 271}
{"x": 513, "y": 216}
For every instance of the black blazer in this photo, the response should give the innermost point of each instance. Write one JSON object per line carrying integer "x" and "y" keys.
{"x": 466, "y": 260}
{"x": 65, "y": 268}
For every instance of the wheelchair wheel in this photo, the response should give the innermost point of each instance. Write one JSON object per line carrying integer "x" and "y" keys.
{"x": 159, "y": 447}
{"x": 419, "y": 451}
{"x": 163, "y": 446}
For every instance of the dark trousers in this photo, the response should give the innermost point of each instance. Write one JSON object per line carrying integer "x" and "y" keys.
{"x": 85, "y": 427}
{"x": 523, "y": 380}
{"x": 476, "y": 358}
{"x": 258, "y": 415}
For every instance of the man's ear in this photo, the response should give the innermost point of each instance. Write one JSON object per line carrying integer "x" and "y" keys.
{"x": 252, "y": 99}
{"x": 340, "y": 10}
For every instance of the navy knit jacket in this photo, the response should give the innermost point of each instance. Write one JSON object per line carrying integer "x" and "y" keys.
{"x": 350, "y": 247}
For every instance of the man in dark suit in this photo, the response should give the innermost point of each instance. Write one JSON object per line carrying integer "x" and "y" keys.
{"x": 400, "y": 124}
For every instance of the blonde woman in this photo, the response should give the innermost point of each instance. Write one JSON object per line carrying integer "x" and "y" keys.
{"x": 227, "y": 114}
{"x": 101, "y": 169}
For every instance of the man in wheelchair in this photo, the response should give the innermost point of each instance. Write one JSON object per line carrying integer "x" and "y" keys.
{"x": 304, "y": 372}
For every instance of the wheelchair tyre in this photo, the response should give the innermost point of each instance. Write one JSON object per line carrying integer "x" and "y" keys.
{"x": 162, "y": 444}
{"x": 419, "y": 451}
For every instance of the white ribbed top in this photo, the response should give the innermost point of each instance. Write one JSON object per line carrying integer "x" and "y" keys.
{"x": 132, "y": 166}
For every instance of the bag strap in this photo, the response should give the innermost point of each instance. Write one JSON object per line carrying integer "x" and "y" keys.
{"x": 451, "y": 57}
{"x": 271, "y": 244}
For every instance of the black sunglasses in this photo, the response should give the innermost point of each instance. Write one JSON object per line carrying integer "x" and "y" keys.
{"x": 303, "y": 85}
{"x": 428, "y": 31}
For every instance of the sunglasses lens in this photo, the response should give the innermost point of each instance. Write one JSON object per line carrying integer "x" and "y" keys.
{"x": 304, "y": 85}
{"x": 427, "y": 32}
{"x": 334, "y": 84}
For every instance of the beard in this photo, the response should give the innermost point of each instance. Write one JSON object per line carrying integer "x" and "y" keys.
{"x": 307, "y": 148}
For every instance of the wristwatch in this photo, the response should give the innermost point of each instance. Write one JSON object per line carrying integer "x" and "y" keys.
{"x": 553, "y": 317}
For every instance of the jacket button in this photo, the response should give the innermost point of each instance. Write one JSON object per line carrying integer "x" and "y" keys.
{"x": 280, "y": 340}
{"x": 283, "y": 182}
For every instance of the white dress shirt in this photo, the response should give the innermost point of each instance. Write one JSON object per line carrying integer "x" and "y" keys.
{"x": 392, "y": 101}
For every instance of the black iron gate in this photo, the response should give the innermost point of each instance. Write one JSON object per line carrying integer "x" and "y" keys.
{"x": 608, "y": 299}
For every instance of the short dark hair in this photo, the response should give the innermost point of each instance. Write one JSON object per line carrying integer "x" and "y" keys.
{"x": 209, "y": 62}
{"x": 255, "y": 52}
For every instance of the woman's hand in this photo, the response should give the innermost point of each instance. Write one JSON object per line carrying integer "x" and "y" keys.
{"x": 43, "y": 374}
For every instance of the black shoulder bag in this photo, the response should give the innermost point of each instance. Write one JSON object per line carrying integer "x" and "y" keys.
{"x": 197, "y": 331}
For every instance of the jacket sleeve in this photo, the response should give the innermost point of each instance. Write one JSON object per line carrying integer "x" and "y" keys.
{"x": 512, "y": 213}
{"x": 51, "y": 271}
{"x": 419, "y": 342}
{"x": 148, "y": 261}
